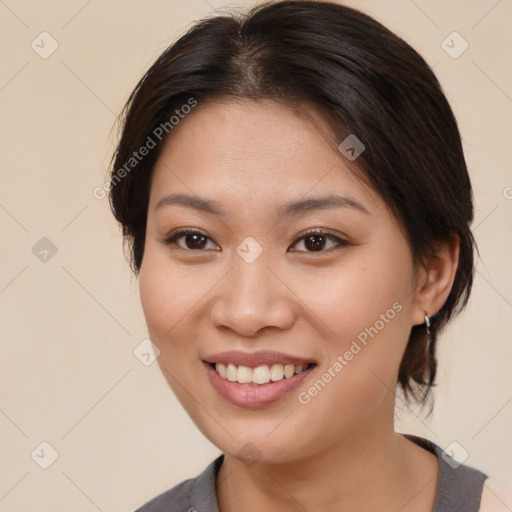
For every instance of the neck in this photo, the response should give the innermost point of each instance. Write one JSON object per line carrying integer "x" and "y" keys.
{"x": 374, "y": 469}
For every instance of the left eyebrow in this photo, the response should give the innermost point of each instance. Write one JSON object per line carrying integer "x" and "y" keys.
{"x": 320, "y": 203}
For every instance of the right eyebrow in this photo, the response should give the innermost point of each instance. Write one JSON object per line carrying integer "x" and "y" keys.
{"x": 195, "y": 202}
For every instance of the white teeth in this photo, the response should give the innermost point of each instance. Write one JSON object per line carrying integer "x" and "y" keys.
{"x": 221, "y": 369}
{"x": 289, "y": 370}
{"x": 276, "y": 372}
{"x": 259, "y": 375}
{"x": 231, "y": 372}
{"x": 244, "y": 375}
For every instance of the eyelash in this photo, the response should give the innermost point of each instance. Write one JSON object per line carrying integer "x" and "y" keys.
{"x": 173, "y": 237}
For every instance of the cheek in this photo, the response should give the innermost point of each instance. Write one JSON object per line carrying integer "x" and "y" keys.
{"x": 169, "y": 303}
{"x": 366, "y": 309}
{"x": 357, "y": 382}
{"x": 356, "y": 296}
{"x": 174, "y": 300}
{"x": 167, "y": 293}
{"x": 164, "y": 301}
{"x": 155, "y": 299}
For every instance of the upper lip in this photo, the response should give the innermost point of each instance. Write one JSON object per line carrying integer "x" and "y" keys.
{"x": 254, "y": 359}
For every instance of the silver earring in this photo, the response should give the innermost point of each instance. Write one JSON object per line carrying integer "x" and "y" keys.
{"x": 427, "y": 322}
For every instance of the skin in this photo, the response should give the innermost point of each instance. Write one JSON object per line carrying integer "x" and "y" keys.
{"x": 340, "y": 450}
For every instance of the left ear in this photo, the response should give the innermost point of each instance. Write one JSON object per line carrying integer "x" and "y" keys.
{"x": 435, "y": 278}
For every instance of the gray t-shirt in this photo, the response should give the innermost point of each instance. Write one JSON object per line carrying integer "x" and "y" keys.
{"x": 459, "y": 487}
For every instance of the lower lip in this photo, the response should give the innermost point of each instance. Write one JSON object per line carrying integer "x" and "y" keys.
{"x": 257, "y": 395}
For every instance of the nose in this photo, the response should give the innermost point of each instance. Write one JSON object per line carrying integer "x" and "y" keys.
{"x": 252, "y": 298}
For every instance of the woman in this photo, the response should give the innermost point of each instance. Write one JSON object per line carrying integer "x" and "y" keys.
{"x": 294, "y": 192}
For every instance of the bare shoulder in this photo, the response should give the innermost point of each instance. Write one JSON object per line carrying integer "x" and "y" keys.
{"x": 495, "y": 497}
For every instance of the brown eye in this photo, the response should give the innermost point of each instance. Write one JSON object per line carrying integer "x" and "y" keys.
{"x": 317, "y": 242}
{"x": 195, "y": 241}
{"x": 190, "y": 240}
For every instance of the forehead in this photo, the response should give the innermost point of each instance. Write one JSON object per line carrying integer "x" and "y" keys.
{"x": 256, "y": 151}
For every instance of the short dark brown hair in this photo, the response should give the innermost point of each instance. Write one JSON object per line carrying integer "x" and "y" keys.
{"x": 364, "y": 80}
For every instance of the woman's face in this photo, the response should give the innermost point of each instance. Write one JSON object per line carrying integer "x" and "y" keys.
{"x": 292, "y": 264}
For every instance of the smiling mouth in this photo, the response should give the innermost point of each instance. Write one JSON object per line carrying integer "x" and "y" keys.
{"x": 260, "y": 375}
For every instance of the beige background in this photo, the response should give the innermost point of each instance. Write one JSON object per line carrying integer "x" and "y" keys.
{"x": 69, "y": 325}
